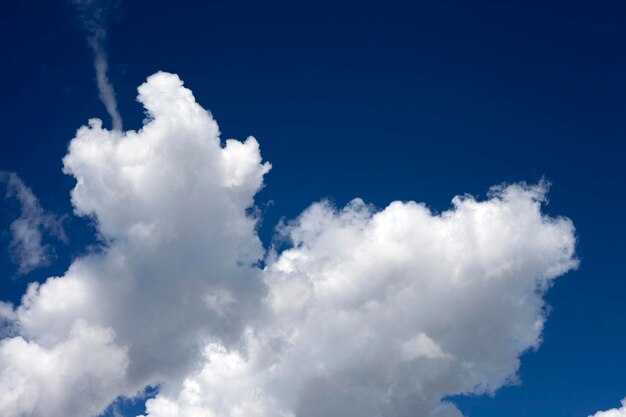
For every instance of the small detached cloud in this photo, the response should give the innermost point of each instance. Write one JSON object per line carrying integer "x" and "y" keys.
{"x": 615, "y": 412}
{"x": 367, "y": 312}
{"x": 27, "y": 247}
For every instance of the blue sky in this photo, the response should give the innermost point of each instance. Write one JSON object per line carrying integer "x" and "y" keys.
{"x": 402, "y": 101}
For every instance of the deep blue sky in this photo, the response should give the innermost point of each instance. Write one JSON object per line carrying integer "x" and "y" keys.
{"x": 417, "y": 100}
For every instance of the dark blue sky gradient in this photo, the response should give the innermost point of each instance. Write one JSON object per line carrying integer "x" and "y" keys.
{"x": 416, "y": 100}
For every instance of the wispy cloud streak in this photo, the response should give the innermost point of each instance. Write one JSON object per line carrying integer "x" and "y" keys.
{"x": 27, "y": 248}
{"x": 93, "y": 15}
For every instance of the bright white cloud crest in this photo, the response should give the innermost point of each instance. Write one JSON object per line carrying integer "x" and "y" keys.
{"x": 369, "y": 312}
{"x": 615, "y": 412}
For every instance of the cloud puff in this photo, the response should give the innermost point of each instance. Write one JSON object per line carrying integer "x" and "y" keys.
{"x": 385, "y": 313}
{"x": 368, "y": 312}
{"x": 614, "y": 412}
{"x": 35, "y": 378}
{"x": 27, "y": 231}
{"x": 178, "y": 268}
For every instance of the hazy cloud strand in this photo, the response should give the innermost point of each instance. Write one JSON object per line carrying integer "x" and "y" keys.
{"x": 27, "y": 249}
{"x": 93, "y": 15}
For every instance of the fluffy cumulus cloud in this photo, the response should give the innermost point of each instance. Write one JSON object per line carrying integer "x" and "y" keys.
{"x": 177, "y": 271}
{"x": 385, "y": 313}
{"x": 35, "y": 378}
{"x": 615, "y": 412}
{"x": 367, "y": 312}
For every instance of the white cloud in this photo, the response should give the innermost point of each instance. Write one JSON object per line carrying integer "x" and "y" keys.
{"x": 177, "y": 272}
{"x": 385, "y": 313}
{"x": 615, "y": 412}
{"x": 27, "y": 249}
{"x": 34, "y": 379}
{"x": 370, "y": 312}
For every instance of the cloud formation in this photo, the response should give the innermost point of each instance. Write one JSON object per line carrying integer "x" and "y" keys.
{"x": 93, "y": 15}
{"x": 178, "y": 269}
{"x": 27, "y": 249}
{"x": 368, "y": 312}
{"x": 614, "y": 412}
{"x": 385, "y": 313}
